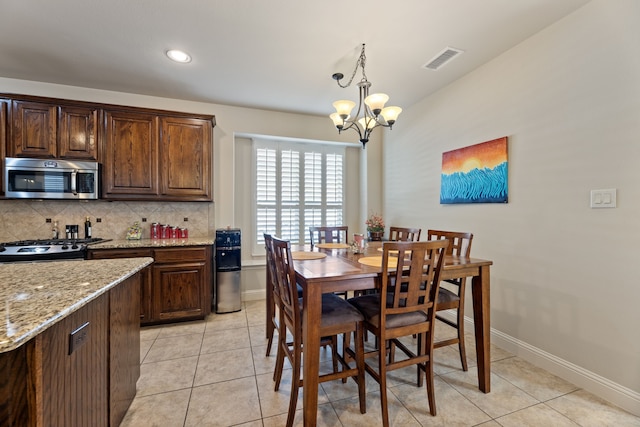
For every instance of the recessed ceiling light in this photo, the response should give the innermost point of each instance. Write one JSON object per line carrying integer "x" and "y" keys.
{"x": 178, "y": 56}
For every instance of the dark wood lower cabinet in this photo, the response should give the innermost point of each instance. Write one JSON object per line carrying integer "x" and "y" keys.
{"x": 178, "y": 285}
{"x": 181, "y": 285}
{"x": 145, "y": 279}
{"x": 82, "y": 371}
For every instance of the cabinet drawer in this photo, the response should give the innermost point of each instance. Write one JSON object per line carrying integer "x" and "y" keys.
{"x": 180, "y": 254}
{"x": 119, "y": 253}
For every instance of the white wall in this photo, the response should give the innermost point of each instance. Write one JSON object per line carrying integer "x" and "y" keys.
{"x": 568, "y": 98}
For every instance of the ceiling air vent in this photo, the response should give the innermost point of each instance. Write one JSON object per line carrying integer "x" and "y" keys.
{"x": 442, "y": 58}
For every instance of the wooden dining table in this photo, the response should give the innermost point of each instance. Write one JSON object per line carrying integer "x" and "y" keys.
{"x": 340, "y": 271}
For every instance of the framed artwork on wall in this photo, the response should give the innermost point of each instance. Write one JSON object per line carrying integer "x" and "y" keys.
{"x": 475, "y": 174}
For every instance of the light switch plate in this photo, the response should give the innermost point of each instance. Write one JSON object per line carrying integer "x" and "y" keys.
{"x": 603, "y": 198}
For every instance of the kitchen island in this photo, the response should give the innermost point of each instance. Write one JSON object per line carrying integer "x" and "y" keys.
{"x": 69, "y": 341}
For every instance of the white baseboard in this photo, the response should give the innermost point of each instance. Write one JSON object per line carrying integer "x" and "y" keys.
{"x": 600, "y": 386}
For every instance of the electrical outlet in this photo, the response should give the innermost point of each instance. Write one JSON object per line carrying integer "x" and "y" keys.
{"x": 78, "y": 337}
{"x": 98, "y": 219}
{"x": 48, "y": 220}
{"x": 185, "y": 219}
{"x": 144, "y": 219}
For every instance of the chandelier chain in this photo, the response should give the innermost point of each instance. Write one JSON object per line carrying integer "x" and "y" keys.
{"x": 360, "y": 63}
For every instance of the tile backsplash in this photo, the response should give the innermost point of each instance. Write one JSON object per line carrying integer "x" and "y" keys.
{"x": 27, "y": 219}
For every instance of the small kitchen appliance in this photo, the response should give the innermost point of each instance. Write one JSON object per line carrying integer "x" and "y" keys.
{"x": 228, "y": 270}
{"x": 50, "y": 179}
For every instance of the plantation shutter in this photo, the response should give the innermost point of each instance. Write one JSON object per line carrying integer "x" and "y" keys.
{"x": 297, "y": 186}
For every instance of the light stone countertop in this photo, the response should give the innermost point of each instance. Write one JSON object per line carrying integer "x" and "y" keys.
{"x": 153, "y": 243}
{"x": 36, "y": 295}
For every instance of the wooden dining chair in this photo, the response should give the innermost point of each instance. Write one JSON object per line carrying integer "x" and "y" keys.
{"x": 404, "y": 306}
{"x": 273, "y": 296}
{"x": 338, "y": 317}
{"x": 334, "y": 234}
{"x": 403, "y": 234}
{"x": 451, "y": 294}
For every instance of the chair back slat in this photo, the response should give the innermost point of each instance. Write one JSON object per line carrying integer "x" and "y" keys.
{"x": 459, "y": 245}
{"x": 411, "y": 277}
{"x": 285, "y": 279}
{"x": 271, "y": 284}
{"x": 404, "y": 234}
{"x": 334, "y": 234}
{"x": 459, "y": 242}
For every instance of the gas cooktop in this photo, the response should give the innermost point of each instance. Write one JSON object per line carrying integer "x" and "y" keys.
{"x": 46, "y": 249}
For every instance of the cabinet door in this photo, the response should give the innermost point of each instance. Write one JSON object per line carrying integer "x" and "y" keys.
{"x": 33, "y": 129}
{"x": 77, "y": 133}
{"x": 3, "y": 139}
{"x": 185, "y": 147}
{"x": 145, "y": 275}
{"x": 178, "y": 291}
{"x": 131, "y": 155}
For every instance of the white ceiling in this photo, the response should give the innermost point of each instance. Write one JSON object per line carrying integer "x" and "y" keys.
{"x": 276, "y": 54}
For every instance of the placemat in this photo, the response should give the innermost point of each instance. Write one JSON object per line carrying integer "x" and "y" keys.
{"x": 303, "y": 255}
{"x": 376, "y": 261}
{"x": 393, "y": 252}
{"x": 332, "y": 246}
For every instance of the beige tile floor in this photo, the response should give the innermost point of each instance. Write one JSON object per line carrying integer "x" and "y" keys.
{"x": 214, "y": 373}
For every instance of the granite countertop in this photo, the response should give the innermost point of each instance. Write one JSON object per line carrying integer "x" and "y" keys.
{"x": 153, "y": 243}
{"x": 36, "y": 295}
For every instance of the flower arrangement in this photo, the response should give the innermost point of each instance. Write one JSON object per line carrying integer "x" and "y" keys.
{"x": 375, "y": 223}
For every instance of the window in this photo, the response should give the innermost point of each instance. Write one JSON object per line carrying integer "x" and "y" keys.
{"x": 297, "y": 186}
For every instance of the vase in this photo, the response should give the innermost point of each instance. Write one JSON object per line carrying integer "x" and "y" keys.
{"x": 375, "y": 236}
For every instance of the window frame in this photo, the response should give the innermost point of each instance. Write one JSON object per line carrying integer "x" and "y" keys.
{"x": 257, "y": 245}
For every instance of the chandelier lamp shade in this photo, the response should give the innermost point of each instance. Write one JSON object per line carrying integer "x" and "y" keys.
{"x": 371, "y": 112}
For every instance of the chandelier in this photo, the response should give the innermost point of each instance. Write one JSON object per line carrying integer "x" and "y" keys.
{"x": 374, "y": 113}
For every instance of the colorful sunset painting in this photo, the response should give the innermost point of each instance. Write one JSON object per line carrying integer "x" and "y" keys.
{"x": 475, "y": 174}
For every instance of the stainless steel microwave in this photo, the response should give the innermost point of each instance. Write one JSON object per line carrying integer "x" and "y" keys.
{"x": 50, "y": 179}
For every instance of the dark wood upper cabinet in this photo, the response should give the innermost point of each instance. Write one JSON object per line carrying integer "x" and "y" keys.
{"x": 77, "y": 133}
{"x": 33, "y": 129}
{"x": 50, "y": 130}
{"x": 146, "y": 154}
{"x": 131, "y": 155}
{"x": 157, "y": 157}
{"x": 186, "y": 158}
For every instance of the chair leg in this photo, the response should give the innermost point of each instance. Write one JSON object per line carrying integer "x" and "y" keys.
{"x": 382, "y": 369}
{"x": 334, "y": 352}
{"x": 295, "y": 384}
{"x": 270, "y": 329}
{"x": 421, "y": 350}
{"x": 461, "y": 344}
{"x": 431, "y": 396}
{"x": 428, "y": 370}
{"x": 280, "y": 355}
{"x": 346, "y": 342}
{"x": 277, "y": 372}
{"x": 360, "y": 365}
